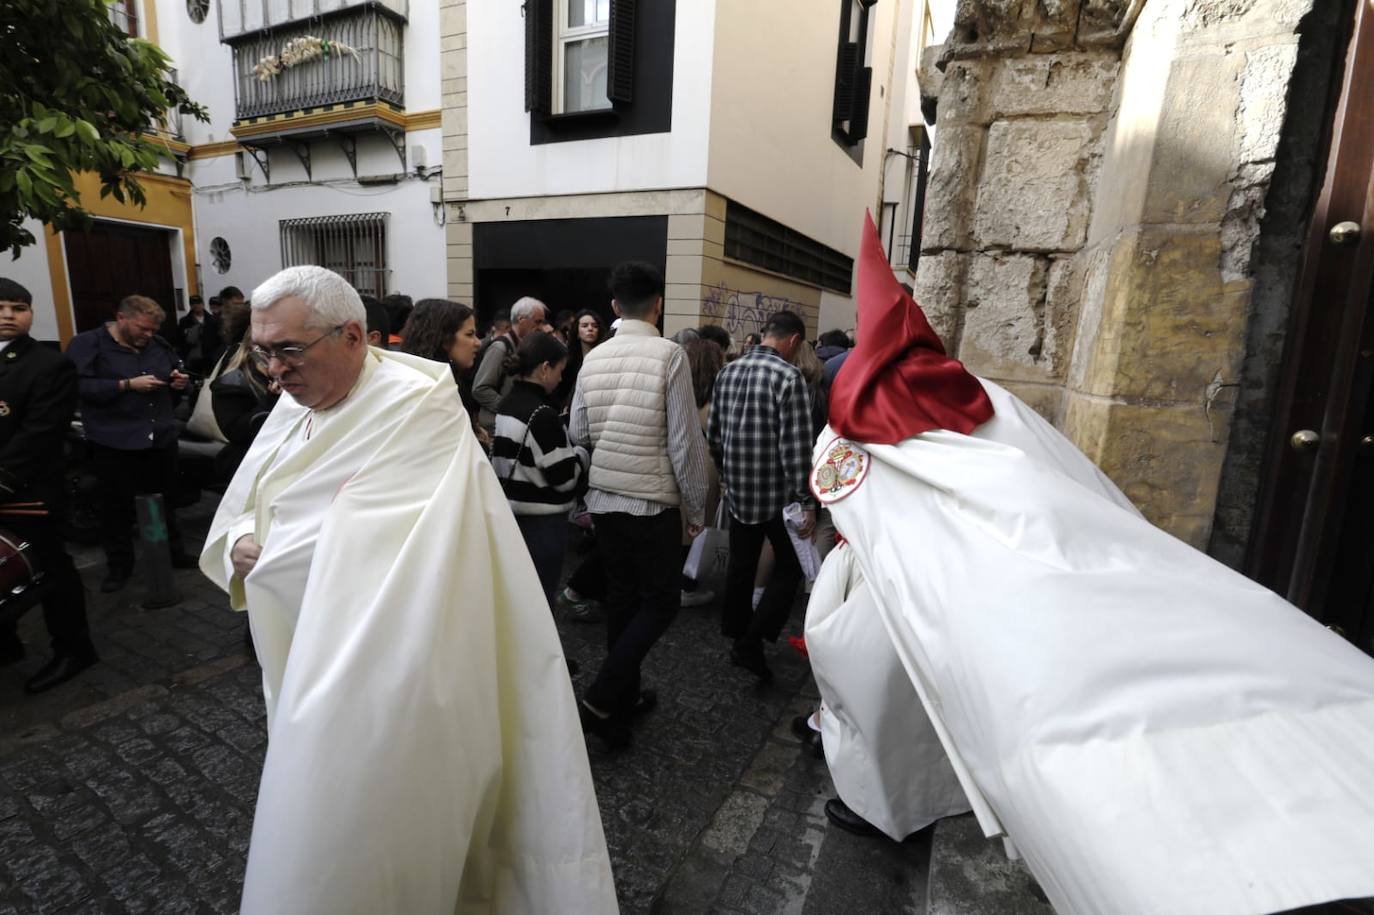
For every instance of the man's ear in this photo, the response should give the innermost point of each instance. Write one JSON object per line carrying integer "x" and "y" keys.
{"x": 354, "y": 333}
{"x": 615, "y": 307}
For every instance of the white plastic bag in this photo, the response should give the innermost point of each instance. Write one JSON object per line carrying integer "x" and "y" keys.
{"x": 710, "y": 551}
{"x": 807, "y": 554}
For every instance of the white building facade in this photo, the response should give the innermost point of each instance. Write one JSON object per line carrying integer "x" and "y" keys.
{"x": 736, "y": 145}
{"x": 333, "y": 161}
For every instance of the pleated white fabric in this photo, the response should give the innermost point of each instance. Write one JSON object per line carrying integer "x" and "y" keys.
{"x": 424, "y": 750}
{"x": 1154, "y": 732}
{"x": 886, "y": 760}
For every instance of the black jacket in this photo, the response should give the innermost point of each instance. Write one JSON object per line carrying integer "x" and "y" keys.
{"x": 37, "y": 400}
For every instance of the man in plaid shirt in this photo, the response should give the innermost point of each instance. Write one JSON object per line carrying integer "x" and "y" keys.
{"x": 760, "y": 436}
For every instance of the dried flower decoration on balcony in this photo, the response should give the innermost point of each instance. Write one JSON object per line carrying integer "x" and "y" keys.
{"x": 298, "y": 51}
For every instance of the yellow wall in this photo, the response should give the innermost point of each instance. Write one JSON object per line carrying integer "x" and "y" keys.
{"x": 168, "y": 205}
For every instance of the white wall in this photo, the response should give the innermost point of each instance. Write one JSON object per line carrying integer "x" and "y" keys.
{"x": 204, "y": 68}
{"x": 246, "y": 215}
{"x": 31, "y": 272}
{"x": 501, "y": 161}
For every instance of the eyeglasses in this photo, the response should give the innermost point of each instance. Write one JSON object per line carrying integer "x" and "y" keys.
{"x": 290, "y": 354}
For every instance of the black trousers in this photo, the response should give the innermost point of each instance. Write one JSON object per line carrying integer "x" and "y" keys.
{"x": 64, "y": 602}
{"x": 124, "y": 475}
{"x": 546, "y": 537}
{"x": 739, "y": 619}
{"x": 643, "y": 561}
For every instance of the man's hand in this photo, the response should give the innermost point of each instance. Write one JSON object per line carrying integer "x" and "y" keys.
{"x": 179, "y": 380}
{"x": 245, "y": 554}
{"x": 694, "y": 530}
{"x": 145, "y": 384}
{"x": 808, "y": 524}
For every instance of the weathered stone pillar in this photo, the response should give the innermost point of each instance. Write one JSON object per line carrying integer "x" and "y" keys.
{"x": 1094, "y": 205}
{"x": 1023, "y": 105}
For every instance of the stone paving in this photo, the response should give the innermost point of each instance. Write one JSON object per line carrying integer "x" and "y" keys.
{"x": 131, "y": 788}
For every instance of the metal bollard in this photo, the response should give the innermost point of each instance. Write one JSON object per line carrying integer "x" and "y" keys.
{"x": 157, "y": 554}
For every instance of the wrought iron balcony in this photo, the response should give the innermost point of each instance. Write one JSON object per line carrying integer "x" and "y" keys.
{"x": 375, "y": 74}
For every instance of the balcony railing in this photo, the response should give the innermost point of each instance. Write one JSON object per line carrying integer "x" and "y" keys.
{"x": 376, "y": 74}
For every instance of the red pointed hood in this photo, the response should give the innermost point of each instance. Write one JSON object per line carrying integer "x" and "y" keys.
{"x": 898, "y": 382}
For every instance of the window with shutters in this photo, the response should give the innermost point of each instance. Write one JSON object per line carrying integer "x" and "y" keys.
{"x": 853, "y": 75}
{"x": 580, "y": 64}
{"x": 582, "y": 76}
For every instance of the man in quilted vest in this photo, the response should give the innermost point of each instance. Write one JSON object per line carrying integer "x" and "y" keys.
{"x": 633, "y": 407}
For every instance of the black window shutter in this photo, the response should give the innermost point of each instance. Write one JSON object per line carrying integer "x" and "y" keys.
{"x": 846, "y": 67}
{"x": 858, "y": 120}
{"x": 539, "y": 57}
{"x": 620, "y": 52}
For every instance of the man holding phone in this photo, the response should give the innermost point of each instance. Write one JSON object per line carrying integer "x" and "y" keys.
{"x": 128, "y": 380}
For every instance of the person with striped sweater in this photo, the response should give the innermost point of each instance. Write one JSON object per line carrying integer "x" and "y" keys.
{"x": 541, "y": 472}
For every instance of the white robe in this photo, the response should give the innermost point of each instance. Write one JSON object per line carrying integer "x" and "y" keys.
{"x": 424, "y": 751}
{"x": 886, "y": 760}
{"x": 1154, "y": 732}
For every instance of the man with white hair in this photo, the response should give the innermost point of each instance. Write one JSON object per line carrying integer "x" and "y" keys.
{"x": 420, "y": 720}
{"x": 492, "y": 381}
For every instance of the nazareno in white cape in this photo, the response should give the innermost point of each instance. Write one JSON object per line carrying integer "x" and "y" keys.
{"x": 1152, "y": 731}
{"x": 424, "y": 750}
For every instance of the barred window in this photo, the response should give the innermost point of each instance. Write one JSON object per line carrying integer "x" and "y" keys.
{"x": 755, "y": 239}
{"x": 352, "y": 246}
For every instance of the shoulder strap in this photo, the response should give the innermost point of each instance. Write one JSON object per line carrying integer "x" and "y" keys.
{"x": 519, "y": 452}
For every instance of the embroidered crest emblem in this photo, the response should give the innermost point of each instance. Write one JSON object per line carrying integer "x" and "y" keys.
{"x": 4, "y": 408}
{"x": 840, "y": 470}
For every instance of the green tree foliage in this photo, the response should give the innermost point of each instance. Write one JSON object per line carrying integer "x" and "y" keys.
{"x": 76, "y": 94}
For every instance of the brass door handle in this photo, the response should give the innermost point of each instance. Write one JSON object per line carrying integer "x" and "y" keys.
{"x": 1344, "y": 233}
{"x": 1305, "y": 440}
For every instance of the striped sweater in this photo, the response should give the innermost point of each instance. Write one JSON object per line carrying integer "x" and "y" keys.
{"x": 550, "y": 472}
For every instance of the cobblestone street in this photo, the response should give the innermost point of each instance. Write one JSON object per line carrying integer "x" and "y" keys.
{"x": 131, "y": 788}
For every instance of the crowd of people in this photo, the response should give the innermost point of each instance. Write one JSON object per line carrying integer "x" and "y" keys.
{"x": 602, "y": 425}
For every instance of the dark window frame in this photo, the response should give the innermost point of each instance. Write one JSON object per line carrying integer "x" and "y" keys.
{"x": 853, "y": 81}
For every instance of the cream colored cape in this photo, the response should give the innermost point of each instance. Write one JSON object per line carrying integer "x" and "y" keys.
{"x": 1154, "y": 732}
{"x": 424, "y": 749}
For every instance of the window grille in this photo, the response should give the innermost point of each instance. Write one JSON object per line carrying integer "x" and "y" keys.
{"x": 352, "y": 246}
{"x": 755, "y": 239}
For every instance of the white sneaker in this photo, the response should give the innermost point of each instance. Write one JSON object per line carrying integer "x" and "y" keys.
{"x": 698, "y": 598}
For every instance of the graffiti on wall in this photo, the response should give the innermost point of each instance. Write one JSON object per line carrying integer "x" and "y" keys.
{"x": 742, "y": 312}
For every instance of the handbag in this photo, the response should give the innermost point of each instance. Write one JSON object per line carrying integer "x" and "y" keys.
{"x": 709, "y": 554}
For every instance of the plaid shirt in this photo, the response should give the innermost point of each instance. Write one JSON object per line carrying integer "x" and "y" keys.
{"x": 760, "y": 435}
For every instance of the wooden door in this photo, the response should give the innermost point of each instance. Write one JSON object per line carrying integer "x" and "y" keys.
{"x": 114, "y": 260}
{"x": 1314, "y": 530}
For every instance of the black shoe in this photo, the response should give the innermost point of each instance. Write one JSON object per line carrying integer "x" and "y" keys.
{"x": 614, "y": 731}
{"x": 839, "y": 813}
{"x": 184, "y": 561}
{"x": 11, "y": 651}
{"x": 644, "y": 703}
{"x": 810, "y": 740}
{"x": 751, "y": 659}
{"x": 59, "y": 670}
{"x": 114, "y": 581}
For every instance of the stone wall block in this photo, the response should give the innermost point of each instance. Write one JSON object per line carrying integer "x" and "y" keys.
{"x": 1004, "y": 324}
{"x": 939, "y": 290}
{"x": 953, "y": 187}
{"x": 1163, "y": 457}
{"x": 1191, "y": 164}
{"x": 1170, "y": 329}
{"x": 1055, "y": 84}
{"x": 1036, "y": 184}
{"x": 963, "y": 89}
{"x": 1063, "y": 292}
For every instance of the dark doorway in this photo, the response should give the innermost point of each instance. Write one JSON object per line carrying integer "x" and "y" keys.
{"x": 1314, "y": 530}
{"x": 565, "y": 263}
{"x": 114, "y": 260}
